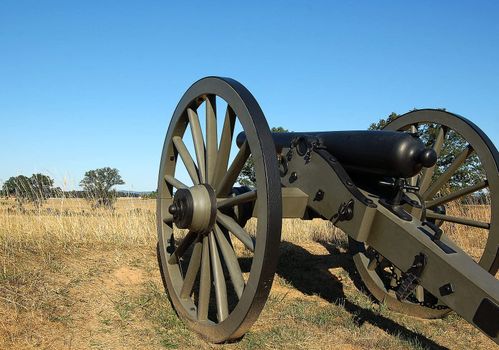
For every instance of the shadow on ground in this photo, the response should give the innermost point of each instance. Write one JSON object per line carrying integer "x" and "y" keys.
{"x": 310, "y": 274}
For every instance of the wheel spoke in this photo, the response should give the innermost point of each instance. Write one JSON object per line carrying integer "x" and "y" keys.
{"x": 457, "y": 194}
{"x": 211, "y": 137}
{"x": 230, "y": 177}
{"x": 219, "y": 279}
{"x": 231, "y": 262}
{"x": 187, "y": 159}
{"x": 192, "y": 270}
{"x": 189, "y": 238}
{"x": 174, "y": 182}
{"x": 204, "y": 282}
{"x": 428, "y": 172}
{"x": 442, "y": 179}
{"x": 231, "y": 225}
{"x": 413, "y": 181}
{"x": 236, "y": 200}
{"x": 412, "y": 128}
{"x": 457, "y": 220}
{"x": 225, "y": 145}
{"x": 197, "y": 137}
{"x": 440, "y": 139}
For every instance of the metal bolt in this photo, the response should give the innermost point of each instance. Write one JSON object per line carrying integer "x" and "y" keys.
{"x": 319, "y": 195}
{"x": 172, "y": 209}
{"x": 446, "y": 289}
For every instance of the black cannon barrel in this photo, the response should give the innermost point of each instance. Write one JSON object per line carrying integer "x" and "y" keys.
{"x": 387, "y": 153}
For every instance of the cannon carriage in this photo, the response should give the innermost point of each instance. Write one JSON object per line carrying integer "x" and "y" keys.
{"x": 384, "y": 189}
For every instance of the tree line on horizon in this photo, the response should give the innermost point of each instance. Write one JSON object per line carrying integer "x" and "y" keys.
{"x": 97, "y": 186}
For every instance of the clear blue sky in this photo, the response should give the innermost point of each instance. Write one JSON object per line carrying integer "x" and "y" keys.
{"x": 94, "y": 83}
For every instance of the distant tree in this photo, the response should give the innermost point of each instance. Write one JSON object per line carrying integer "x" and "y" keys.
{"x": 98, "y": 185}
{"x": 383, "y": 122}
{"x": 247, "y": 177}
{"x": 17, "y": 186}
{"x": 73, "y": 194}
{"x": 8, "y": 187}
{"x": 57, "y": 192}
{"x": 471, "y": 172}
{"x": 278, "y": 129}
{"x": 42, "y": 186}
{"x": 35, "y": 189}
{"x": 150, "y": 195}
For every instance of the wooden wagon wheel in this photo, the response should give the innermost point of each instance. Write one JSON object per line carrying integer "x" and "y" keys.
{"x": 201, "y": 271}
{"x": 438, "y": 128}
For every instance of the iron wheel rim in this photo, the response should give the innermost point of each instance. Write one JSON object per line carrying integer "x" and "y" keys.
{"x": 266, "y": 250}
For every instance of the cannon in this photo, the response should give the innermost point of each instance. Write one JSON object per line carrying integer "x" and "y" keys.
{"x": 387, "y": 190}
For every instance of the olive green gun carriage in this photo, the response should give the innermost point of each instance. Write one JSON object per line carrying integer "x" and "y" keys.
{"x": 385, "y": 189}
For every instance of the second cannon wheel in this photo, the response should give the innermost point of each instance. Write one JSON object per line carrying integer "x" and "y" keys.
{"x": 460, "y": 193}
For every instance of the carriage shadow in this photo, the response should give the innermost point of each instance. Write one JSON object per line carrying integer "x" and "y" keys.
{"x": 309, "y": 273}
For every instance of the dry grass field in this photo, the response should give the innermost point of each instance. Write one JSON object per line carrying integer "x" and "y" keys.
{"x": 76, "y": 278}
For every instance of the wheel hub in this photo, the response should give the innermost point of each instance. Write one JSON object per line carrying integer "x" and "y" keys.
{"x": 194, "y": 208}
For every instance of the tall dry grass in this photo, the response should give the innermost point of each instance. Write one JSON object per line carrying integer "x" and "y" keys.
{"x": 66, "y": 222}
{"x": 70, "y": 222}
